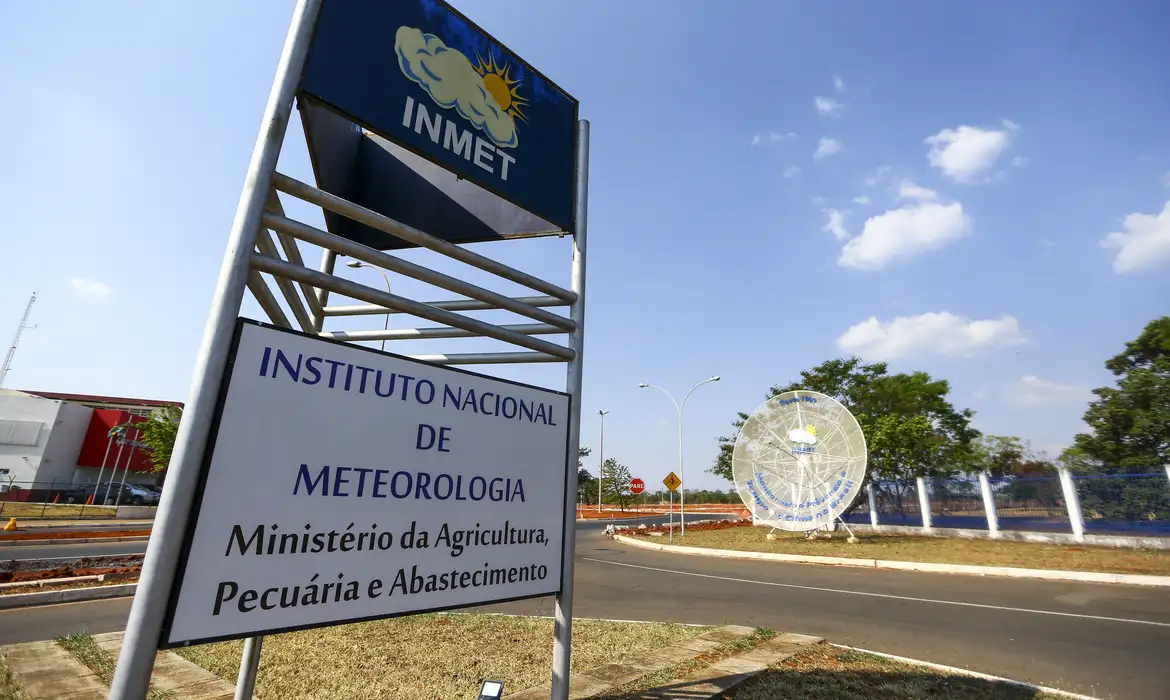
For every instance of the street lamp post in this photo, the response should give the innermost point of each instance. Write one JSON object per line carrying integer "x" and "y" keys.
{"x": 601, "y": 459}
{"x": 358, "y": 263}
{"x": 682, "y": 509}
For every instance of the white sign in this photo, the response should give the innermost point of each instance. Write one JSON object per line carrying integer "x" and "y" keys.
{"x": 345, "y": 484}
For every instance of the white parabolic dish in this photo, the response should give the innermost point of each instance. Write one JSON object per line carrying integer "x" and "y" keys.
{"x": 799, "y": 461}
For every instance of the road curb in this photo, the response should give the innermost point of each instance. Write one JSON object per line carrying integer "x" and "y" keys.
{"x": 69, "y": 595}
{"x": 1002, "y": 571}
{"x": 974, "y": 674}
{"x": 71, "y": 540}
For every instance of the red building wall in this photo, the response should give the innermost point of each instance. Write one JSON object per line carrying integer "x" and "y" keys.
{"x": 97, "y": 441}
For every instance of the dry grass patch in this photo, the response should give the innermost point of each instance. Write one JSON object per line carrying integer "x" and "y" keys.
{"x": 428, "y": 656}
{"x": 9, "y": 687}
{"x": 1028, "y": 555}
{"x": 825, "y": 672}
{"x": 20, "y": 509}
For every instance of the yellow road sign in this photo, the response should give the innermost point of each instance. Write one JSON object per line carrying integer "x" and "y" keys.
{"x": 672, "y": 481}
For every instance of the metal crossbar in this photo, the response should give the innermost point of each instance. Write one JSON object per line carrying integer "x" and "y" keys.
{"x": 316, "y": 236}
{"x": 280, "y": 268}
{"x": 449, "y": 305}
{"x": 348, "y": 209}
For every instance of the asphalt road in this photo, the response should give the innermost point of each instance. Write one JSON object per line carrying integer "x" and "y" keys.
{"x": 1102, "y": 640}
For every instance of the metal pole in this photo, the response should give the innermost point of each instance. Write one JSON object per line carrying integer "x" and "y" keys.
{"x": 114, "y": 471}
{"x": 682, "y": 475}
{"x": 105, "y": 458}
{"x": 601, "y": 460}
{"x": 989, "y": 505}
{"x": 563, "y": 625}
{"x": 122, "y": 484}
{"x": 246, "y": 680}
{"x": 45, "y": 505}
{"x": 873, "y": 510}
{"x": 670, "y": 534}
{"x": 132, "y": 677}
{"x": 328, "y": 262}
{"x": 923, "y": 502}
{"x": 1072, "y": 502}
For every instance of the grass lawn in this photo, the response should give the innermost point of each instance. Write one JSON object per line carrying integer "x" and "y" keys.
{"x": 825, "y": 672}
{"x": 19, "y": 509}
{"x": 1026, "y": 555}
{"x": 427, "y": 656}
{"x": 110, "y": 581}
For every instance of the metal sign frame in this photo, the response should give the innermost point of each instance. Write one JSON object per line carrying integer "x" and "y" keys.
{"x": 251, "y": 251}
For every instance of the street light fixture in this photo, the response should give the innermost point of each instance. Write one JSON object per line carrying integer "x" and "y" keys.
{"x": 681, "y": 472}
{"x": 355, "y": 264}
{"x": 601, "y": 459}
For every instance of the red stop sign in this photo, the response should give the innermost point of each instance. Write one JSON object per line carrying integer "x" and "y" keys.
{"x": 637, "y": 486}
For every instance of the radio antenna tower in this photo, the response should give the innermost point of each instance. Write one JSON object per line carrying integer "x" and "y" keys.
{"x": 16, "y": 341}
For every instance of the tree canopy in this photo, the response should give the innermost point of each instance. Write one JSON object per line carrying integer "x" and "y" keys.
{"x": 1129, "y": 424}
{"x": 911, "y": 428}
{"x": 615, "y": 482}
{"x": 158, "y": 432}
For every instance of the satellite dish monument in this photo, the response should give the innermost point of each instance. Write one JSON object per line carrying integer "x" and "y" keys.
{"x": 799, "y": 461}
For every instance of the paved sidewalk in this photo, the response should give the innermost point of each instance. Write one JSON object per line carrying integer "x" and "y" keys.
{"x": 47, "y": 672}
{"x": 703, "y": 683}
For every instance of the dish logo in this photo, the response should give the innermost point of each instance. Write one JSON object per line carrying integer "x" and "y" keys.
{"x": 483, "y": 94}
{"x": 804, "y": 438}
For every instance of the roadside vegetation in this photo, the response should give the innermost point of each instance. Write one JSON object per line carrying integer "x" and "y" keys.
{"x": 428, "y": 656}
{"x": 826, "y": 672}
{"x": 1027, "y": 555}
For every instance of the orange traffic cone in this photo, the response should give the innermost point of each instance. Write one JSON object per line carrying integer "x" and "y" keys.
{"x": 89, "y": 501}
{"x": 56, "y": 498}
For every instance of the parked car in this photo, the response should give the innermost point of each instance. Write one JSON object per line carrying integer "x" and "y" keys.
{"x": 107, "y": 493}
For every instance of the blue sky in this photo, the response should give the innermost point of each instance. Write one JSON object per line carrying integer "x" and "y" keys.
{"x": 989, "y": 203}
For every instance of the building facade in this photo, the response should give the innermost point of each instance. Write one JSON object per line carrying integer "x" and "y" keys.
{"x": 50, "y": 441}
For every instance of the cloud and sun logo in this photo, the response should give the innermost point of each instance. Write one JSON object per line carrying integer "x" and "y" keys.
{"x": 483, "y": 93}
{"x": 804, "y": 436}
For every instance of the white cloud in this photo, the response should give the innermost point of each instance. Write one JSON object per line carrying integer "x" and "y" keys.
{"x": 839, "y": 84}
{"x": 819, "y": 200}
{"x": 1144, "y": 242}
{"x": 836, "y": 224}
{"x": 967, "y": 151}
{"x": 929, "y": 334}
{"x": 792, "y": 171}
{"x": 827, "y": 106}
{"x": 909, "y": 190}
{"x": 451, "y": 81}
{"x": 903, "y": 233}
{"x": 877, "y": 176}
{"x": 1020, "y": 162}
{"x": 772, "y": 137}
{"x": 89, "y": 288}
{"x": 1166, "y": 179}
{"x": 1031, "y": 390}
{"x": 863, "y": 200}
{"x": 801, "y": 435}
{"x": 827, "y": 147}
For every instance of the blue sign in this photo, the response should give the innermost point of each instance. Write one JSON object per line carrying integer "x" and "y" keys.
{"x": 418, "y": 73}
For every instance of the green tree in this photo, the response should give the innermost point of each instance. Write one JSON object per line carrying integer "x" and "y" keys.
{"x": 586, "y": 482}
{"x": 158, "y": 433}
{"x": 615, "y": 482}
{"x": 911, "y": 428}
{"x": 1129, "y": 424}
{"x": 1129, "y": 433}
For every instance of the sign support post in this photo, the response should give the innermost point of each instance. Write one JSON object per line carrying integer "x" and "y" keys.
{"x": 563, "y": 625}
{"x": 132, "y": 676}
